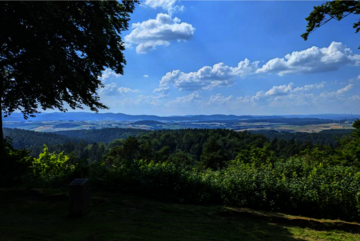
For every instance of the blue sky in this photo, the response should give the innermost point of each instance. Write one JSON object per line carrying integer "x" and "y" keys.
{"x": 234, "y": 57}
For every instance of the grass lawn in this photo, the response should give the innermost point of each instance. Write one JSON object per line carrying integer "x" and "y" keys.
{"x": 42, "y": 215}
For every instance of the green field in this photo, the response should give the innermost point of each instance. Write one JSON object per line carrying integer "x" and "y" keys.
{"x": 43, "y": 215}
{"x": 297, "y": 128}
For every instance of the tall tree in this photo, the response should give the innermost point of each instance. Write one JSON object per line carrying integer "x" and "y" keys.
{"x": 331, "y": 10}
{"x": 52, "y": 53}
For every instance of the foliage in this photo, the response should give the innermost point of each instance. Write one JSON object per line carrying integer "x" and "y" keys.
{"x": 331, "y": 10}
{"x": 102, "y": 135}
{"x": 61, "y": 51}
{"x": 50, "y": 166}
{"x": 34, "y": 141}
{"x": 294, "y": 186}
{"x": 14, "y": 163}
{"x": 224, "y": 167}
{"x": 325, "y": 137}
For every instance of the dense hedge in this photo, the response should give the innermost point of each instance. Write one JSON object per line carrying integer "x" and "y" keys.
{"x": 321, "y": 191}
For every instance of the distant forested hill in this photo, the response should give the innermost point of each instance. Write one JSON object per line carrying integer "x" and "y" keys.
{"x": 326, "y": 137}
{"x": 147, "y": 122}
{"x": 96, "y": 143}
{"x": 34, "y": 141}
{"x": 102, "y": 135}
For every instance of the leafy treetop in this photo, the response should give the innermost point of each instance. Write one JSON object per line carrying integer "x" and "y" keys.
{"x": 53, "y": 52}
{"x": 331, "y": 10}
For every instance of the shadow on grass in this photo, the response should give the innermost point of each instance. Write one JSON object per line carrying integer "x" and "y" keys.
{"x": 38, "y": 215}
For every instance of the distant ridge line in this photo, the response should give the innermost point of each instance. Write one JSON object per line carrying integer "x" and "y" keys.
{"x": 88, "y": 116}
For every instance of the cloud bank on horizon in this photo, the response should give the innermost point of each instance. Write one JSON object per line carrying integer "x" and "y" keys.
{"x": 170, "y": 80}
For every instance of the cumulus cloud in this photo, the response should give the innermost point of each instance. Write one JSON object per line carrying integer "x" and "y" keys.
{"x": 354, "y": 97}
{"x": 109, "y": 89}
{"x": 148, "y": 100}
{"x": 124, "y": 90}
{"x": 311, "y": 60}
{"x": 310, "y": 87}
{"x": 186, "y": 99}
{"x": 112, "y": 89}
{"x": 161, "y": 31}
{"x": 146, "y": 76}
{"x": 285, "y": 96}
{"x": 168, "y": 5}
{"x": 207, "y": 77}
{"x": 338, "y": 93}
{"x": 277, "y": 92}
{"x": 220, "y": 99}
{"x": 108, "y": 73}
{"x": 345, "y": 89}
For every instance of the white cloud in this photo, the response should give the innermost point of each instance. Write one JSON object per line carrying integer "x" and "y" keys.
{"x": 112, "y": 89}
{"x": 313, "y": 59}
{"x": 124, "y": 90}
{"x": 168, "y": 5}
{"x": 345, "y": 89}
{"x": 108, "y": 73}
{"x": 310, "y": 60}
{"x": 244, "y": 99}
{"x": 149, "y": 100}
{"x": 161, "y": 31}
{"x": 109, "y": 89}
{"x": 220, "y": 99}
{"x": 146, "y": 76}
{"x": 354, "y": 97}
{"x": 186, "y": 99}
{"x": 207, "y": 77}
{"x": 279, "y": 90}
{"x": 310, "y": 87}
{"x": 293, "y": 100}
{"x": 338, "y": 93}
{"x": 162, "y": 90}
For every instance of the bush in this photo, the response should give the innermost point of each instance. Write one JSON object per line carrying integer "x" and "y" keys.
{"x": 14, "y": 163}
{"x": 293, "y": 186}
{"x": 51, "y": 168}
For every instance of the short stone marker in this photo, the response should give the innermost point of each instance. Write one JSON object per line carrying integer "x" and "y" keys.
{"x": 79, "y": 196}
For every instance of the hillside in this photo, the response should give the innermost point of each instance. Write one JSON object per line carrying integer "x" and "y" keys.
{"x": 29, "y": 139}
{"x": 102, "y": 135}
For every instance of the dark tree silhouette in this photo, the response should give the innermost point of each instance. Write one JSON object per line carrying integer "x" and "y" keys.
{"x": 329, "y": 11}
{"x": 52, "y": 53}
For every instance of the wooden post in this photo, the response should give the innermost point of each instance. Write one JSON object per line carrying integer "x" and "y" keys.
{"x": 79, "y": 196}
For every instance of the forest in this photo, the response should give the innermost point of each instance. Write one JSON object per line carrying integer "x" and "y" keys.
{"x": 287, "y": 172}
{"x": 94, "y": 144}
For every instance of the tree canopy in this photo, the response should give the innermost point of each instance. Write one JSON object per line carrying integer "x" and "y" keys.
{"x": 331, "y": 10}
{"x": 52, "y": 53}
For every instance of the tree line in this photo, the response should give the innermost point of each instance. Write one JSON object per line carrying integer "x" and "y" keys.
{"x": 201, "y": 147}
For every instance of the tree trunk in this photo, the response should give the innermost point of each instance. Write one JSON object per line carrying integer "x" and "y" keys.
{"x": 1, "y": 132}
{"x": 1, "y": 125}
{"x": 3, "y": 160}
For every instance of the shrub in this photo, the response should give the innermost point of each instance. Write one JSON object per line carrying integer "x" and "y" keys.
{"x": 52, "y": 168}
{"x": 14, "y": 163}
